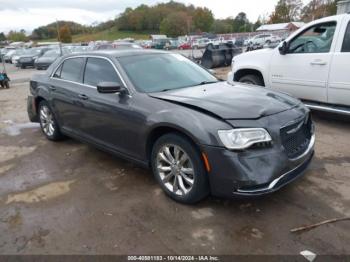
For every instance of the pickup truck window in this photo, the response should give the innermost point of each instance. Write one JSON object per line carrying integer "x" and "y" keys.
{"x": 316, "y": 39}
{"x": 346, "y": 43}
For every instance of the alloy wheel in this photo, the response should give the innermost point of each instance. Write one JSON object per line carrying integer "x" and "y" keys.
{"x": 175, "y": 169}
{"x": 47, "y": 121}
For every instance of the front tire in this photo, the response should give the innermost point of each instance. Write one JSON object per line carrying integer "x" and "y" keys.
{"x": 178, "y": 168}
{"x": 252, "y": 80}
{"x": 48, "y": 123}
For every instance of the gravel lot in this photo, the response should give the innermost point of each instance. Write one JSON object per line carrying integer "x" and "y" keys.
{"x": 70, "y": 198}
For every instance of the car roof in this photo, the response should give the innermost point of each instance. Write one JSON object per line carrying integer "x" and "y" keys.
{"x": 117, "y": 53}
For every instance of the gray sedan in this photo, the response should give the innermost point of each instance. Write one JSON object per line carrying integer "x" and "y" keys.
{"x": 199, "y": 135}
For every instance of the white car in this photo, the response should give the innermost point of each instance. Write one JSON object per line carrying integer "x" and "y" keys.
{"x": 200, "y": 43}
{"x": 312, "y": 64}
{"x": 263, "y": 39}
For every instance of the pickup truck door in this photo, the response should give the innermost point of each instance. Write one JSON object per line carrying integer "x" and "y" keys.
{"x": 303, "y": 70}
{"x": 339, "y": 77}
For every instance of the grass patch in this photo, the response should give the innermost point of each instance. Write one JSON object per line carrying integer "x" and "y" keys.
{"x": 109, "y": 35}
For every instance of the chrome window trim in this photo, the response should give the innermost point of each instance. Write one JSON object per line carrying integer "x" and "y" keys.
{"x": 82, "y": 84}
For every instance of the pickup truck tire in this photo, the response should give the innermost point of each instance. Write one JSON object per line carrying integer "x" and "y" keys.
{"x": 252, "y": 80}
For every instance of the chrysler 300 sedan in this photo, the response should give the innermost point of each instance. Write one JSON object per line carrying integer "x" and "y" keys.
{"x": 199, "y": 135}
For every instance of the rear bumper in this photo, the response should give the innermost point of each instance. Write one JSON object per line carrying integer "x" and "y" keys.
{"x": 29, "y": 63}
{"x": 254, "y": 172}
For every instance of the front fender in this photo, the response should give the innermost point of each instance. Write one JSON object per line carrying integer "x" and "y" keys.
{"x": 256, "y": 60}
{"x": 200, "y": 127}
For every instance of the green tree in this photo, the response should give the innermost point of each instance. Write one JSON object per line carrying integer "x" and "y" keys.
{"x": 222, "y": 26}
{"x": 2, "y": 36}
{"x": 65, "y": 34}
{"x": 241, "y": 23}
{"x": 286, "y": 11}
{"x": 203, "y": 19}
{"x": 175, "y": 24}
{"x": 318, "y": 8}
{"x": 16, "y": 36}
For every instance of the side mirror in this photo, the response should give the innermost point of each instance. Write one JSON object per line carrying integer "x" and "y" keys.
{"x": 109, "y": 87}
{"x": 283, "y": 48}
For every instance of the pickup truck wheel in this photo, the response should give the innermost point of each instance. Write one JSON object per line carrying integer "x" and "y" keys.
{"x": 48, "y": 122}
{"x": 178, "y": 168}
{"x": 252, "y": 80}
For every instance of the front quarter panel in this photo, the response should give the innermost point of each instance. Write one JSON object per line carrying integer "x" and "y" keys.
{"x": 151, "y": 113}
{"x": 257, "y": 60}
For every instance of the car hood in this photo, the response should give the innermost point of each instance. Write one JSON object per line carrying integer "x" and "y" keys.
{"x": 238, "y": 101}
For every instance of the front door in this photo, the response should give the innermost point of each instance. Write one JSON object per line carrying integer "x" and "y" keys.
{"x": 303, "y": 71}
{"x": 339, "y": 77}
{"x": 105, "y": 116}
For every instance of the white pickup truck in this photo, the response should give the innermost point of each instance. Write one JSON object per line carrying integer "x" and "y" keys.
{"x": 312, "y": 64}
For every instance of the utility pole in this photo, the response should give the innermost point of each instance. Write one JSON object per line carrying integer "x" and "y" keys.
{"x": 59, "y": 38}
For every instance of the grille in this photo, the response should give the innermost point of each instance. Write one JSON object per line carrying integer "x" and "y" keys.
{"x": 296, "y": 137}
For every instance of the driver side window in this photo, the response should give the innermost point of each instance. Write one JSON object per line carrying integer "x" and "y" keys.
{"x": 316, "y": 39}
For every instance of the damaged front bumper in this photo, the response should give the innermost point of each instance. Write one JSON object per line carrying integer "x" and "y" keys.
{"x": 262, "y": 169}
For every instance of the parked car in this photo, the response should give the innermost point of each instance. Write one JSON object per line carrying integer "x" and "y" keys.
{"x": 200, "y": 43}
{"x": 126, "y": 45}
{"x": 29, "y": 56}
{"x": 48, "y": 58}
{"x": 198, "y": 134}
{"x": 185, "y": 45}
{"x": 159, "y": 43}
{"x": 117, "y": 45}
{"x": 312, "y": 64}
{"x": 172, "y": 44}
{"x": 3, "y": 52}
{"x": 263, "y": 39}
{"x": 16, "y": 55}
{"x": 8, "y": 56}
{"x": 239, "y": 42}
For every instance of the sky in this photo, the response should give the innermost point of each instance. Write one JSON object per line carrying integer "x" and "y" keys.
{"x": 29, "y": 14}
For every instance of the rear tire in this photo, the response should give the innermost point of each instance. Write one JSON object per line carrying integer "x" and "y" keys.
{"x": 48, "y": 123}
{"x": 252, "y": 80}
{"x": 179, "y": 170}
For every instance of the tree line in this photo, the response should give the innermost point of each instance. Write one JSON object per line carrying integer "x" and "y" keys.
{"x": 174, "y": 19}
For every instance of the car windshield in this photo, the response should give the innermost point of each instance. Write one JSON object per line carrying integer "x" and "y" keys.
{"x": 31, "y": 52}
{"x": 162, "y": 72}
{"x": 20, "y": 52}
{"x": 53, "y": 53}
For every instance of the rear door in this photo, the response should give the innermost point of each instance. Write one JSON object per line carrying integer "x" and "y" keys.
{"x": 339, "y": 77}
{"x": 65, "y": 87}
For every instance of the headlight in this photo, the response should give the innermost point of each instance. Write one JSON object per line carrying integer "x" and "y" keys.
{"x": 242, "y": 138}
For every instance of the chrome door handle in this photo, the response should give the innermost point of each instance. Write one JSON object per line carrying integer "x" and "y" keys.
{"x": 83, "y": 97}
{"x": 318, "y": 62}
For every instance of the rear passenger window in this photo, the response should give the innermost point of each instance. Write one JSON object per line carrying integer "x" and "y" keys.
{"x": 346, "y": 43}
{"x": 99, "y": 70}
{"x": 57, "y": 74}
{"x": 71, "y": 69}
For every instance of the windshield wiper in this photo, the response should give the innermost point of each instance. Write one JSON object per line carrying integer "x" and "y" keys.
{"x": 205, "y": 83}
